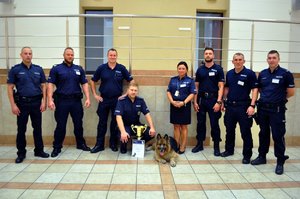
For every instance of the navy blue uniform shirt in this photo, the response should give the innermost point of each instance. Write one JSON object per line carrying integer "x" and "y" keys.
{"x": 209, "y": 78}
{"x": 111, "y": 79}
{"x": 185, "y": 86}
{"x": 131, "y": 111}
{"x": 273, "y": 85}
{"x": 27, "y": 80}
{"x": 240, "y": 84}
{"x": 67, "y": 79}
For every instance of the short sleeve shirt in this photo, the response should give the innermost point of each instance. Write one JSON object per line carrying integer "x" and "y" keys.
{"x": 111, "y": 80}
{"x": 180, "y": 89}
{"x": 27, "y": 80}
{"x": 67, "y": 79}
{"x": 131, "y": 111}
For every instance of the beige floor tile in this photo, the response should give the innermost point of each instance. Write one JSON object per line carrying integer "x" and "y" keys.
{"x": 148, "y": 168}
{"x": 11, "y": 193}
{"x": 294, "y": 175}
{"x": 209, "y": 178}
{"x": 149, "y": 195}
{"x": 6, "y": 176}
{"x": 92, "y": 194}
{"x": 245, "y": 168}
{"x": 121, "y": 195}
{"x": 149, "y": 187}
{"x": 203, "y": 168}
{"x": 277, "y": 178}
{"x": 126, "y": 168}
{"x": 246, "y": 194}
{"x": 74, "y": 178}
{"x": 35, "y": 194}
{"x": 81, "y": 168}
{"x": 292, "y": 192}
{"x": 232, "y": 178}
{"x": 68, "y": 186}
{"x": 58, "y": 194}
{"x": 148, "y": 178}
{"x": 255, "y": 177}
{"x": 191, "y": 194}
{"x": 120, "y": 178}
{"x": 99, "y": 178}
{"x": 14, "y": 167}
{"x": 182, "y": 169}
{"x": 224, "y": 168}
{"x": 103, "y": 168}
{"x": 50, "y": 178}
{"x": 58, "y": 168}
{"x": 36, "y": 168}
{"x": 26, "y": 177}
{"x": 224, "y": 194}
{"x": 273, "y": 193}
{"x": 180, "y": 178}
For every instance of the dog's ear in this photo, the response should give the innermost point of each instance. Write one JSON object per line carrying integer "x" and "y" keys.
{"x": 166, "y": 137}
{"x": 158, "y": 136}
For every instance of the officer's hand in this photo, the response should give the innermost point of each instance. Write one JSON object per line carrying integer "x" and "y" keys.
{"x": 124, "y": 137}
{"x": 51, "y": 105}
{"x": 217, "y": 107}
{"x": 15, "y": 110}
{"x": 196, "y": 107}
{"x": 43, "y": 107}
{"x": 152, "y": 132}
{"x": 98, "y": 98}
{"x": 87, "y": 103}
{"x": 250, "y": 111}
{"x": 223, "y": 108}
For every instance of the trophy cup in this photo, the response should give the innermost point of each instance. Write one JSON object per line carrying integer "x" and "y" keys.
{"x": 139, "y": 130}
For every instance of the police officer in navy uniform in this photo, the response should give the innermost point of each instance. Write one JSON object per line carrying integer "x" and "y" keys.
{"x": 67, "y": 77}
{"x": 275, "y": 85}
{"x": 111, "y": 76}
{"x": 181, "y": 90}
{"x": 29, "y": 100}
{"x": 239, "y": 108}
{"x": 128, "y": 112}
{"x": 210, "y": 85}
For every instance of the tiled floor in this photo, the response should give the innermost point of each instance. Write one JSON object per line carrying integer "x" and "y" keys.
{"x": 78, "y": 174}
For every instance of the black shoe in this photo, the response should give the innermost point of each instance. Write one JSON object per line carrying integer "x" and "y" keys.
{"x": 217, "y": 152}
{"x": 97, "y": 148}
{"x": 279, "y": 169}
{"x": 84, "y": 147}
{"x": 55, "y": 153}
{"x": 259, "y": 160}
{"x": 181, "y": 152}
{"x": 20, "y": 159}
{"x": 41, "y": 154}
{"x": 246, "y": 161}
{"x": 123, "y": 148}
{"x": 226, "y": 154}
{"x": 197, "y": 148}
{"x": 114, "y": 148}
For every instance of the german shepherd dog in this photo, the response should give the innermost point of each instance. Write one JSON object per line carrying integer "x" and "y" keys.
{"x": 163, "y": 150}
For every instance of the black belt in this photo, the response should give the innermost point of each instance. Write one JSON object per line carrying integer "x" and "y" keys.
{"x": 208, "y": 95}
{"x": 30, "y": 99}
{"x": 71, "y": 96}
{"x": 238, "y": 103}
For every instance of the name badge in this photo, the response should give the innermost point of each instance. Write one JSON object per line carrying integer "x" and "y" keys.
{"x": 275, "y": 81}
{"x": 241, "y": 83}
{"x": 77, "y": 72}
{"x": 182, "y": 85}
{"x": 211, "y": 73}
{"x": 176, "y": 93}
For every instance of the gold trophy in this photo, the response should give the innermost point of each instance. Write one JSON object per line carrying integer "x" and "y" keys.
{"x": 139, "y": 130}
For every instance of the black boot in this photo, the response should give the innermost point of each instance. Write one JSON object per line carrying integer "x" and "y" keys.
{"x": 279, "y": 167}
{"x": 123, "y": 148}
{"x": 198, "y": 147}
{"x": 261, "y": 159}
{"x": 217, "y": 149}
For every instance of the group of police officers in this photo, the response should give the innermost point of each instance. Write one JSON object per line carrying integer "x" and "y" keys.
{"x": 32, "y": 96}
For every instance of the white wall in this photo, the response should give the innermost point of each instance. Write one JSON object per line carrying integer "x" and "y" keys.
{"x": 267, "y": 36}
{"x": 46, "y": 36}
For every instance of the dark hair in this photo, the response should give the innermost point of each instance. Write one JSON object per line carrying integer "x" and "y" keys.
{"x": 208, "y": 48}
{"x": 112, "y": 49}
{"x": 183, "y": 63}
{"x": 68, "y": 48}
{"x": 274, "y": 52}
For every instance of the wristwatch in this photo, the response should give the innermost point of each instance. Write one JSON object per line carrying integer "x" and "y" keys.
{"x": 219, "y": 102}
{"x": 253, "y": 106}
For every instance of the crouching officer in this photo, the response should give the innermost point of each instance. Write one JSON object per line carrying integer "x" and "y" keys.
{"x": 29, "y": 100}
{"x": 128, "y": 112}
{"x": 239, "y": 108}
{"x": 67, "y": 77}
{"x": 275, "y": 85}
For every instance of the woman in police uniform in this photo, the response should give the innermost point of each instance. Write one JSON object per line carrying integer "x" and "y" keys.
{"x": 181, "y": 90}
